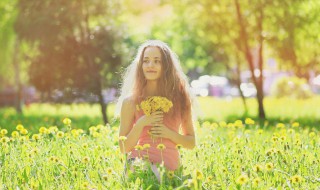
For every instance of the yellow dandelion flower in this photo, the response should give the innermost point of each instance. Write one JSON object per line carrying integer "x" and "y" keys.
{"x": 5, "y": 140}
{"x": 260, "y": 131}
{"x": 256, "y": 181}
{"x": 60, "y": 134}
{"x": 53, "y": 129}
{"x": 257, "y": 168}
{"x": 36, "y": 136}
{"x": 280, "y": 125}
{"x": 86, "y": 159}
{"x": 269, "y": 166}
{"x": 209, "y": 178}
{"x": 242, "y": 179}
{"x": 85, "y": 145}
{"x": 34, "y": 151}
{"x": 146, "y": 146}
{"x": 66, "y": 121}
{"x": 15, "y": 134}
{"x": 122, "y": 138}
{"x": 312, "y": 134}
{"x": 105, "y": 177}
{"x": 161, "y": 147}
{"x": 249, "y": 121}
{"x": 170, "y": 174}
{"x": 85, "y": 185}
{"x": 19, "y": 127}
{"x": 295, "y": 124}
{"x": 109, "y": 170}
{"x": 296, "y": 179}
{"x": 42, "y": 130}
{"x": 24, "y": 131}
{"x": 138, "y": 147}
{"x": 198, "y": 174}
{"x": 222, "y": 124}
{"x": 4, "y": 131}
{"x": 178, "y": 146}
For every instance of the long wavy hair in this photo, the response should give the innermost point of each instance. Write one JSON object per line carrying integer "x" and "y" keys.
{"x": 173, "y": 83}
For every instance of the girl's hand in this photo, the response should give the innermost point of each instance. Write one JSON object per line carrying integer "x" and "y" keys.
{"x": 153, "y": 119}
{"x": 160, "y": 130}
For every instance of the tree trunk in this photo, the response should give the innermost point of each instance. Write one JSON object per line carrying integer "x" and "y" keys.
{"x": 238, "y": 81}
{"x": 248, "y": 56}
{"x": 18, "y": 96}
{"x": 103, "y": 107}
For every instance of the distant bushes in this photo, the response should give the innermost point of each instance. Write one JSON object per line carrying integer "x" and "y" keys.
{"x": 293, "y": 87}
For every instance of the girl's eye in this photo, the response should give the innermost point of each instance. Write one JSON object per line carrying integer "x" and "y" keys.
{"x": 157, "y": 61}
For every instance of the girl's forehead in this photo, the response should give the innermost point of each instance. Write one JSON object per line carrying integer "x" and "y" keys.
{"x": 152, "y": 51}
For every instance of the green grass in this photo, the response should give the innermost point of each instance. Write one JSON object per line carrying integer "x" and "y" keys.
{"x": 306, "y": 112}
{"x": 226, "y": 157}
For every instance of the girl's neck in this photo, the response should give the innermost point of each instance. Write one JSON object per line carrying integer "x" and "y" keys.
{"x": 151, "y": 88}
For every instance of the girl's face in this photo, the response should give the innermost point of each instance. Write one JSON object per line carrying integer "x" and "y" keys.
{"x": 152, "y": 63}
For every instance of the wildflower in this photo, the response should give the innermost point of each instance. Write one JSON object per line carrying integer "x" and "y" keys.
{"x": 146, "y": 146}
{"x": 269, "y": 166}
{"x": 198, "y": 174}
{"x": 242, "y": 179}
{"x": 24, "y": 131}
{"x": 122, "y": 138}
{"x": 5, "y": 140}
{"x": 105, "y": 177}
{"x": 295, "y": 124}
{"x": 249, "y": 121}
{"x": 170, "y": 174}
{"x": 222, "y": 124}
{"x": 43, "y": 130}
{"x": 109, "y": 170}
{"x": 66, "y": 121}
{"x": 85, "y": 145}
{"x": 260, "y": 131}
{"x": 138, "y": 147}
{"x": 34, "y": 151}
{"x": 209, "y": 178}
{"x": 15, "y": 134}
{"x": 256, "y": 181}
{"x": 161, "y": 147}
{"x": 3, "y": 131}
{"x": 312, "y": 134}
{"x": 85, "y": 185}
{"x": 238, "y": 124}
{"x": 60, "y": 134}
{"x": 296, "y": 179}
{"x": 53, "y": 129}
{"x": 36, "y": 136}
{"x": 280, "y": 125}
{"x": 86, "y": 159}
{"x": 19, "y": 127}
{"x": 178, "y": 146}
{"x": 257, "y": 168}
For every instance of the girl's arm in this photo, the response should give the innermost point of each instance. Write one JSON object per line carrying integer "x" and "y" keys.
{"x": 127, "y": 120}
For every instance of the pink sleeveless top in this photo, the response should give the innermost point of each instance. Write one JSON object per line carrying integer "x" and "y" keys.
{"x": 170, "y": 154}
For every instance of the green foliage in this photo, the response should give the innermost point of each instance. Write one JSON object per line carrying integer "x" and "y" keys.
{"x": 292, "y": 87}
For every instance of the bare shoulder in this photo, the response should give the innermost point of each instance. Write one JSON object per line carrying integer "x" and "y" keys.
{"x": 128, "y": 104}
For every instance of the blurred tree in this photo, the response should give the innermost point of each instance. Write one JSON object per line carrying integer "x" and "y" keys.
{"x": 77, "y": 43}
{"x": 294, "y": 34}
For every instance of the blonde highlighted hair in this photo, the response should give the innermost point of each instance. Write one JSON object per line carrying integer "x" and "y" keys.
{"x": 173, "y": 83}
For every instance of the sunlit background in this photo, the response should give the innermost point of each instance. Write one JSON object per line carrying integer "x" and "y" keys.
{"x": 256, "y": 59}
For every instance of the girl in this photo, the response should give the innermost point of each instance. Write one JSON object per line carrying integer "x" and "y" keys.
{"x": 155, "y": 71}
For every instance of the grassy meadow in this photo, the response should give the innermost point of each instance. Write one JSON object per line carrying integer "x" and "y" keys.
{"x": 42, "y": 150}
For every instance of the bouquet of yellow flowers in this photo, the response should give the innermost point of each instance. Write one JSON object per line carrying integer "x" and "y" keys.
{"x": 155, "y": 103}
